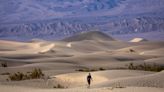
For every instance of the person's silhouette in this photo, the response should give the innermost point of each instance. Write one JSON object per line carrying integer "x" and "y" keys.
{"x": 89, "y": 78}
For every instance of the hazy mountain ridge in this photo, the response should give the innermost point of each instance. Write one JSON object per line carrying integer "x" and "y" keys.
{"x": 136, "y": 25}
{"x": 57, "y": 19}
{"x": 53, "y": 29}
{"x": 58, "y": 29}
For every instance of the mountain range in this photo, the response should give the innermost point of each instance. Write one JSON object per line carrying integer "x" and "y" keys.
{"x": 57, "y": 19}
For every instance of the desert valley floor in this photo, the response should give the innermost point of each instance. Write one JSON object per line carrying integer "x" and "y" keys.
{"x": 67, "y": 63}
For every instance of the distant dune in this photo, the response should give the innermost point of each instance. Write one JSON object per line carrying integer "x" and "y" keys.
{"x": 9, "y": 47}
{"x": 138, "y": 40}
{"x": 91, "y": 35}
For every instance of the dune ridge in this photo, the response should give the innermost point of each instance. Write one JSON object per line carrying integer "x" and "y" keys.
{"x": 67, "y": 63}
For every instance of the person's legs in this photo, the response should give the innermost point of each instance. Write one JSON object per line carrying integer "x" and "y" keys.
{"x": 89, "y": 82}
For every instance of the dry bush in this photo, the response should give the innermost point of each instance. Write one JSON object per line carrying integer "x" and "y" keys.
{"x": 102, "y": 69}
{"x": 146, "y": 67}
{"x": 4, "y": 64}
{"x": 91, "y": 70}
{"x": 59, "y": 86}
{"x": 35, "y": 74}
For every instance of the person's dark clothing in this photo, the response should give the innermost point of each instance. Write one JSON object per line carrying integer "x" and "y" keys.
{"x": 89, "y": 77}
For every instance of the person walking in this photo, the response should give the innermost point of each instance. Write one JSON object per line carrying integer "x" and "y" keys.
{"x": 89, "y": 78}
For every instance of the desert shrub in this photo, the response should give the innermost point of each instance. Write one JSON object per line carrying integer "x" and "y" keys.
{"x": 91, "y": 70}
{"x": 7, "y": 79}
{"x": 80, "y": 70}
{"x": 4, "y": 64}
{"x": 16, "y": 76}
{"x": 131, "y": 50}
{"x": 84, "y": 70}
{"x": 131, "y": 66}
{"x": 35, "y": 74}
{"x": 59, "y": 86}
{"x": 102, "y": 69}
{"x": 146, "y": 67}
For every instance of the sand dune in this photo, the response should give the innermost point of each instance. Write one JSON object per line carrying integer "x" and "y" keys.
{"x": 158, "y": 61}
{"x": 139, "y": 48}
{"x": 92, "y": 35}
{"x": 151, "y": 80}
{"x": 25, "y": 48}
{"x": 138, "y": 40}
{"x": 61, "y": 60}
{"x": 79, "y": 79}
{"x": 128, "y": 89}
{"x": 157, "y": 52}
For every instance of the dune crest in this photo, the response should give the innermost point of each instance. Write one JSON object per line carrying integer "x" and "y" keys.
{"x": 138, "y": 40}
{"x": 91, "y": 35}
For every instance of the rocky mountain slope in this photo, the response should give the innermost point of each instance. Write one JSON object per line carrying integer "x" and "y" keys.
{"x": 57, "y": 19}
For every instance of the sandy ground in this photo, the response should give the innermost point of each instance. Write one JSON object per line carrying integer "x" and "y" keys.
{"x": 61, "y": 61}
{"x": 128, "y": 89}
